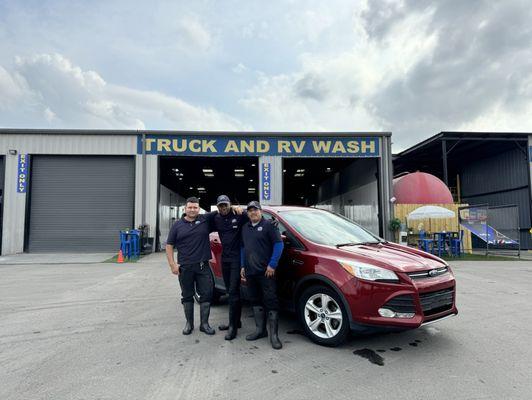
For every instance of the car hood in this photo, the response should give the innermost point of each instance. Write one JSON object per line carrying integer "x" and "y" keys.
{"x": 395, "y": 257}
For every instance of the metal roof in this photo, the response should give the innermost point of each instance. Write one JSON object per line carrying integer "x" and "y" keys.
{"x": 459, "y": 135}
{"x": 38, "y": 131}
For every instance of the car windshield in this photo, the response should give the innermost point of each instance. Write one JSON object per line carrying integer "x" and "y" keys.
{"x": 323, "y": 227}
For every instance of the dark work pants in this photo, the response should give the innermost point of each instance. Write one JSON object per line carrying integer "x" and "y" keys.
{"x": 262, "y": 290}
{"x": 231, "y": 274}
{"x": 195, "y": 277}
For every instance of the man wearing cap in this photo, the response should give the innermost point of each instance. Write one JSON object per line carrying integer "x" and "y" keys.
{"x": 262, "y": 248}
{"x": 190, "y": 236}
{"x": 229, "y": 224}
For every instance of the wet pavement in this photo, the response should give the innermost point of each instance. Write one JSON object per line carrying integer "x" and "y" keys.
{"x": 112, "y": 331}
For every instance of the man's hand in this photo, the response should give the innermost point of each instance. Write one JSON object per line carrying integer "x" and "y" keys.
{"x": 270, "y": 272}
{"x": 243, "y": 274}
{"x": 175, "y": 269}
{"x": 237, "y": 210}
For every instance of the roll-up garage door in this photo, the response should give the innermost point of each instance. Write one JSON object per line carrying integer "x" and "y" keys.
{"x": 80, "y": 203}
{"x": 1, "y": 198}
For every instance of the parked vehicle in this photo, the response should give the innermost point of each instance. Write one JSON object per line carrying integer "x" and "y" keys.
{"x": 338, "y": 277}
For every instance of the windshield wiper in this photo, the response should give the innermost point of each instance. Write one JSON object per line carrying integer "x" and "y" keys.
{"x": 355, "y": 244}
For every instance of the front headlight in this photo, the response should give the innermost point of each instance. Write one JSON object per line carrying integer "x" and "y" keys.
{"x": 368, "y": 272}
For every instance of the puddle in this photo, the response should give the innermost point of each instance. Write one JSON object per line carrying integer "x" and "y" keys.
{"x": 370, "y": 355}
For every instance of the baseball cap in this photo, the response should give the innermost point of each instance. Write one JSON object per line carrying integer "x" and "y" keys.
{"x": 254, "y": 204}
{"x": 222, "y": 199}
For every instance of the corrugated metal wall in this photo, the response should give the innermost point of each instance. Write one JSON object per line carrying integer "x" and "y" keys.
{"x": 68, "y": 144}
{"x": 505, "y": 171}
{"x": 500, "y": 180}
{"x": 353, "y": 192}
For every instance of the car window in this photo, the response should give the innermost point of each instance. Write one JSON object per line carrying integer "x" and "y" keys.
{"x": 282, "y": 229}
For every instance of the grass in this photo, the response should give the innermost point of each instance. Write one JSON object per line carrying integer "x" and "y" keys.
{"x": 479, "y": 257}
{"x": 114, "y": 259}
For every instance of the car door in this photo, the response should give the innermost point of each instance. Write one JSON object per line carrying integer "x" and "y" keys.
{"x": 290, "y": 263}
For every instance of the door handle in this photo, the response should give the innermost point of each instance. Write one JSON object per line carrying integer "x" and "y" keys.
{"x": 297, "y": 262}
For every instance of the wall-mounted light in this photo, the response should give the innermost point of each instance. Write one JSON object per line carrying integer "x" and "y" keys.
{"x": 13, "y": 152}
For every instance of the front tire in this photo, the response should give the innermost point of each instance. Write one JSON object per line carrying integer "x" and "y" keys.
{"x": 323, "y": 316}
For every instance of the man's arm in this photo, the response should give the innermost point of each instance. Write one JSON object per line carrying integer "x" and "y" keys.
{"x": 278, "y": 247}
{"x": 274, "y": 260}
{"x": 174, "y": 267}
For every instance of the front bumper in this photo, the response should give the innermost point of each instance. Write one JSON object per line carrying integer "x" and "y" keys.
{"x": 432, "y": 300}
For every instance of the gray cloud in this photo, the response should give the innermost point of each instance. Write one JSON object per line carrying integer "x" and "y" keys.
{"x": 311, "y": 86}
{"x": 482, "y": 59}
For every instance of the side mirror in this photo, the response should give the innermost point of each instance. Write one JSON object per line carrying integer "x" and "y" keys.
{"x": 286, "y": 240}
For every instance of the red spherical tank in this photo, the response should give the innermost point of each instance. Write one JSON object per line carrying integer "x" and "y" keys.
{"x": 421, "y": 188}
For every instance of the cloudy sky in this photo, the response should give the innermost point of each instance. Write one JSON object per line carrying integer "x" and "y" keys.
{"x": 411, "y": 67}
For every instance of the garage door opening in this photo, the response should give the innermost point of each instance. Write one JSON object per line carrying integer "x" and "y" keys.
{"x": 205, "y": 178}
{"x": 344, "y": 185}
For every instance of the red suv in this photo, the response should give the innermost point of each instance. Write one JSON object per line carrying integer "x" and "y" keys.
{"x": 338, "y": 277}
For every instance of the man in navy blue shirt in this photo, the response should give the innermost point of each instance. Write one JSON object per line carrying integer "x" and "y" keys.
{"x": 190, "y": 236}
{"x": 229, "y": 224}
{"x": 262, "y": 248}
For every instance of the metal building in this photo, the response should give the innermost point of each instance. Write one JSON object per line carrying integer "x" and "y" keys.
{"x": 479, "y": 168}
{"x": 73, "y": 190}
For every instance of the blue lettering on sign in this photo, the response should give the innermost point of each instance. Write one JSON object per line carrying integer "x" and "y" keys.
{"x": 260, "y": 146}
{"x": 266, "y": 182}
{"x": 22, "y": 173}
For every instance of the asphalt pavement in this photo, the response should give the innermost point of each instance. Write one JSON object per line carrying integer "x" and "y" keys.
{"x": 113, "y": 331}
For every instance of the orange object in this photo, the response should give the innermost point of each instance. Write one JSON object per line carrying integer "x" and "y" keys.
{"x": 120, "y": 257}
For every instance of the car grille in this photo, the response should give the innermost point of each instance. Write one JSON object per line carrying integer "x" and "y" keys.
{"x": 401, "y": 304}
{"x": 428, "y": 274}
{"x": 436, "y": 302}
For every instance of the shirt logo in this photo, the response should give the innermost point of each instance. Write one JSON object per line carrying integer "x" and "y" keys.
{"x": 259, "y": 228}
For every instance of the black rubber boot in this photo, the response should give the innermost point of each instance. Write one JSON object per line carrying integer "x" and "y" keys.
{"x": 234, "y": 321}
{"x": 189, "y": 315}
{"x": 205, "y": 310}
{"x": 224, "y": 327}
{"x": 260, "y": 324}
{"x": 273, "y": 321}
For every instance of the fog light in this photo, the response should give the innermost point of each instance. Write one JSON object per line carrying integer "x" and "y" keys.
{"x": 387, "y": 313}
{"x": 404, "y": 315}
{"x": 384, "y": 312}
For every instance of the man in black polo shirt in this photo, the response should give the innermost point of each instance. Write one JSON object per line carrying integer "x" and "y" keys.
{"x": 190, "y": 236}
{"x": 228, "y": 224}
{"x": 262, "y": 248}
